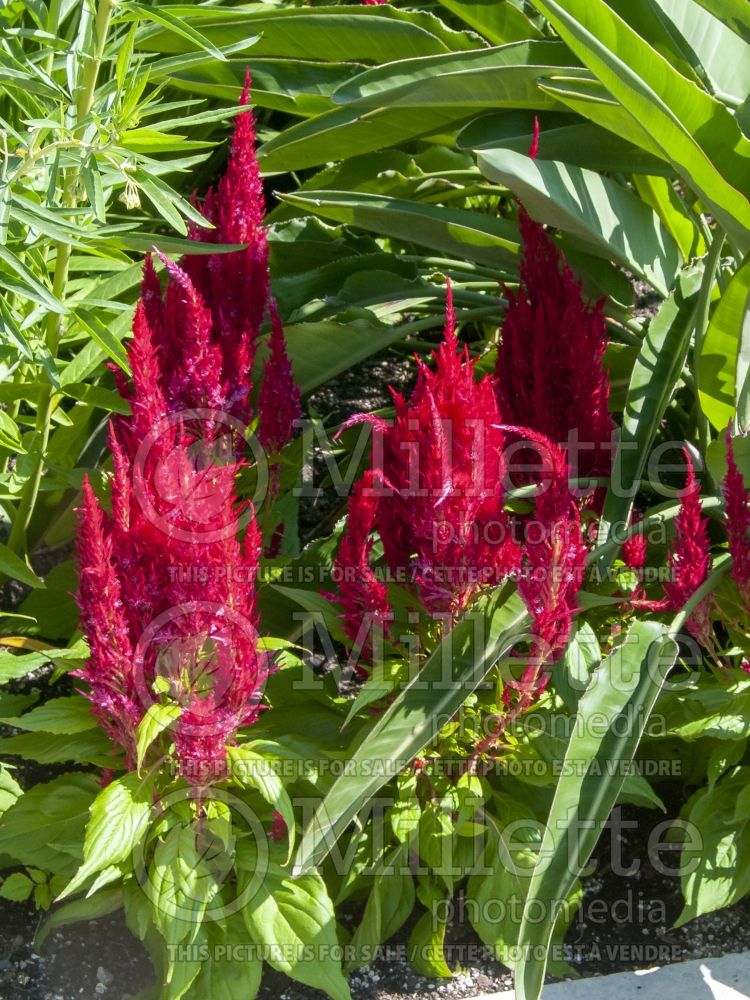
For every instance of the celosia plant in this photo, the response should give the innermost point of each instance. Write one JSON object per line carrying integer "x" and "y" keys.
{"x": 737, "y": 499}
{"x": 174, "y": 508}
{"x": 435, "y": 491}
{"x": 549, "y": 369}
{"x": 690, "y": 557}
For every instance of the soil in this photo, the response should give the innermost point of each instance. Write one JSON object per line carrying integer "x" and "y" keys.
{"x": 625, "y": 922}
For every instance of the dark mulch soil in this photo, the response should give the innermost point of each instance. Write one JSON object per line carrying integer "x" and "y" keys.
{"x": 625, "y": 922}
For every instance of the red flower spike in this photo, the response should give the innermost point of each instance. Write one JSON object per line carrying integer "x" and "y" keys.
{"x": 553, "y": 565}
{"x": 279, "y": 403}
{"x": 441, "y": 462}
{"x": 363, "y": 596}
{"x": 635, "y": 547}
{"x": 549, "y": 363}
{"x": 690, "y": 557}
{"x": 737, "y": 499}
{"x": 534, "y": 148}
{"x": 108, "y": 671}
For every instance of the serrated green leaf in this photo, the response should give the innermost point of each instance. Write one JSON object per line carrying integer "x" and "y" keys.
{"x": 158, "y": 718}
{"x": 119, "y": 818}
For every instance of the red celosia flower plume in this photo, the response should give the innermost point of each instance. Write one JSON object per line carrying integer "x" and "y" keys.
{"x": 364, "y": 597}
{"x": 690, "y": 557}
{"x": 549, "y": 364}
{"x": 438, "y": 470}
{"x": 157, "y": 603}
{"x": 635, "y": 548}
{"x": 235, "y": 285}
{"x": 279, "y": 405}
{"x": 553, "y": 562}
{"x": 167, "y": 589}
{"x": 104, "y": 621}
{"x": 737, "y": 499}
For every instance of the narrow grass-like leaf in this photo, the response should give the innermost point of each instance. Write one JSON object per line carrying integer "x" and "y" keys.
{"x": 416, "y": 715}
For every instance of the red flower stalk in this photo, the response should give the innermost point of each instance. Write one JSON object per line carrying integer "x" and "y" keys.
{"x": 737, "y": 499}
{"x": 440, "y": 468}
{"x": 364, "y": 597}
{"x": 167, "y": 591}
{"x": 553, "y": 563}
{"x": 155, "y": 603}
{"x": 104, "y": 621}
{"x": 690, "y": 557}
{"x": 635, "y": 547}
{"x": 235, "y": 285}
{"x": 279, "y": 405}
{"x": 373, "y": 3}
{"x": 549, "y": 363}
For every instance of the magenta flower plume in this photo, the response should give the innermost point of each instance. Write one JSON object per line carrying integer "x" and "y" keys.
{"x": 364, "y": 597}
{"x": 279, "y": 405}
{"x": 552, "y": 564}
{"x": 690, "y": 557}
{"x": 635, "y": 548}
{"x": 549, "y": 363}
{"x": 440, "y": 464}
{"x": 235, "y": 285}
{"x": 108, "y": 672}
{"x": 737, "y": 500}
{"x": 167, "y": 590}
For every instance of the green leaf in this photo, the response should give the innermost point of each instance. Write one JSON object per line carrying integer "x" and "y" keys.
{"x": 183, "y": 881}
{"x": 104, "y": 337}
{"x": 158, "y": 718}
{"x": 426, "y": 943}
{"x": 724, "y": 362}
{"x": 724, "y": 56}
{"x": 92, "y": 182}
{"x": 13, "y": 666}
{"x": 176, "y": 25}
{"x": 733, "y": 13}
{"x": 389, "y": 905}
{"x": 482, "y": 238}
{"x": 89, "y": 747}
{"x": 320, "y": 351}
{"x": 622, "y": 693}
{"x": 119, "y": 818}
{"x": 694, "y": 131}
{"x": 60, "y": 715}
{"x": 415, "y": 716}
{"x": 10, "y": 436}
{"x": 400, "y": 101}
{"x": 45, "y": 825}
{"x": 13, "y": 566}
{"x": 487, "y": 78}
{"x": 21, "y": 280}
{"x": 654, "y": 378}
{"x": 294, "y": 920}
{"x": 329, "y": 34}
{"x": 255, "y": 771}
{"x": 581, "y": 143}
{"x": 499, "y": 21}
{"x": 716, "y": 862}
{"x": 223, "y": 976}
{"x": 601, "y": 212}
{"x": 16, "y": 887}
